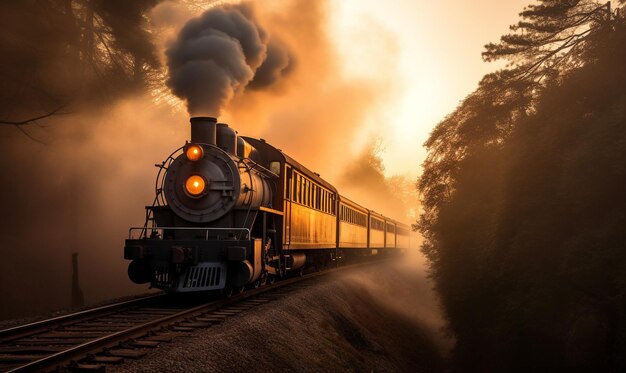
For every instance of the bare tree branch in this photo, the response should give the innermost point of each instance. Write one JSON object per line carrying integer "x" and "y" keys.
{"x": 29, "y": 135}
{"x": 56, "y": 111}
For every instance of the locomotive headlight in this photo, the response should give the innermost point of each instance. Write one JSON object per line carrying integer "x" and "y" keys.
{"x": 195, "y": 185}
{"x": 194, "y": 153}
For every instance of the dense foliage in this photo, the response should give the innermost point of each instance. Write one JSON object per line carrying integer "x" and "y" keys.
{"x": 60, "y": 53}
{"x": 524, "y": 202}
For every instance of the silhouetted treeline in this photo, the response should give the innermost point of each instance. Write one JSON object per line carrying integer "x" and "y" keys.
{"x": 56, "y": 53}
{"x": 524, "y": 198}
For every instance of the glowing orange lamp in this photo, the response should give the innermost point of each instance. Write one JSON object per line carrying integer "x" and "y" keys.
{"x": 195, "y": 185}
{"x": 194, "y": 153}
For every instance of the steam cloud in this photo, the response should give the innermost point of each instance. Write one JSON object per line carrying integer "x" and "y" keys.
{"x": 221, "y": 53}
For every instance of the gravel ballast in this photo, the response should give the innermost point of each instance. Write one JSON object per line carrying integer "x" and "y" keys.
{"x": 381, "y": 318}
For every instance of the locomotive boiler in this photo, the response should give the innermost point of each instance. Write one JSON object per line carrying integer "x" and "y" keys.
{"x": 234, "y": 211}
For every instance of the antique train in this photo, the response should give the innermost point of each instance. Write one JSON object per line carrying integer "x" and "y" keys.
{"x": 234, "y": 211}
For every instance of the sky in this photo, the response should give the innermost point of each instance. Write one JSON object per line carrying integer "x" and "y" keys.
{"x": 435, "y": 62}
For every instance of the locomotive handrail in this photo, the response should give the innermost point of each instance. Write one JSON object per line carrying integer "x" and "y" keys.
{"x": 142, "y": 229}
{"x": 252, "y": 165}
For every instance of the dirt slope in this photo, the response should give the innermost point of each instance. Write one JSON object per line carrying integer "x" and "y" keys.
{"x": 381, "y": 318}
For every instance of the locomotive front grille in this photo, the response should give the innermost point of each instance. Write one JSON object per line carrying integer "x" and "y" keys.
{"x": 163, "y": 278}
{"x": 204, "y": 276}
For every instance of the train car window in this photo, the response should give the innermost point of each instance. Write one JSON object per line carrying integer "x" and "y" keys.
{"x": 288, "y": 183}
{"x": 307, "y": 194}
{"x": 377, "y": 225}
{"x": 298, "y": 188}
{"x": 275, "y": 167}
{"x": 318, "y": 198}
{"x": 327, "y": 202}
{"x": 309, "y": 188}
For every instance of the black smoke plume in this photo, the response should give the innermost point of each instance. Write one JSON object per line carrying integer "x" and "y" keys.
{"x": 220, "y": 53}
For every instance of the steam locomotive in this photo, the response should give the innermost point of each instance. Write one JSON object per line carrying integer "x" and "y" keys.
{"x": 234, "y": 211}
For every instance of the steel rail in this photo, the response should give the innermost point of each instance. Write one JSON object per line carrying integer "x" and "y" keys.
{"x": 29, "y": 329}
{"x": 114, "y": 339}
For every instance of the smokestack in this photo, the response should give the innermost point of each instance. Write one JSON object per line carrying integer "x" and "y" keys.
{"x": 203, "y": 130}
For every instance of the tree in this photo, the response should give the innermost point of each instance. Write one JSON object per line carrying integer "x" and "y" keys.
{"x": 69, "y": 53}
{"x": 549, "y": 37}
{"x": 522, "y": 203}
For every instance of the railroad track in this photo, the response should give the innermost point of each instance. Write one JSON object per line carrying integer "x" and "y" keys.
{"x": 91, "y": 339}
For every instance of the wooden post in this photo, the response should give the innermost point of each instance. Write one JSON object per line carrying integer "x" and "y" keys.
{"x": 78, "y": 300}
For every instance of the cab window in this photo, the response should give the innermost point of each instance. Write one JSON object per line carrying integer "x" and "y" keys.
{"x": 275, "y": 167}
